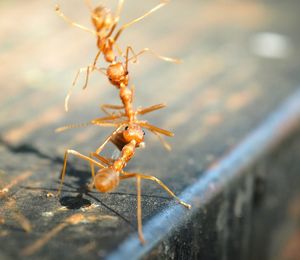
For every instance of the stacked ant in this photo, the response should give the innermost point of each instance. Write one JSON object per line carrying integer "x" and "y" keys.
{"x": 129, "y": 131}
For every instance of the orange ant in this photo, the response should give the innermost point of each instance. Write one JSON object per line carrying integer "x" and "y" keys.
{"x": 105, "y": 23}
{"x": 109, "y": 176}
{"x": 128, "y": 136}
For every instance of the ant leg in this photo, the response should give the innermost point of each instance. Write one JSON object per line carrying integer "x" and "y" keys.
{"x": 134, "y": 57}
{"x": 63, "y": 172}
{"x": 67, "y": 127}
{"x": 105, "y": 108}
{"x": 139, "y": 204}
{"x": 102, "y": 70}
{"x": 88, "y": 70}
{"x": 96, "y": 58}
{"x": 119, "y": 10}
{"x": 155, "y": 128}
{"x": 139, "y": 210}
{"x": 105, "y": 160}
{"x": 165, "y": 144}
{"x": 164, "y": 58}
{"x": 118, "y": 49}
{"x": 98, "y": 151}
{"x": 159, "y": 182}
{"x": 100, "y": 121}
{"x": 92, "y": 166}
{"x": 126, "y": 57}
{"x": 107, "y": 118}
{"x": 107, "y": 36}
{"x": 138, "y": 19}
{"x": 142, "y": 111}
{"x": 84, "y": 69}
{"x": 69, "y": 21}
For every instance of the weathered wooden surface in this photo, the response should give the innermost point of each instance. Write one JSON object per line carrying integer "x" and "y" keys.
{"x": 219, "y": 94}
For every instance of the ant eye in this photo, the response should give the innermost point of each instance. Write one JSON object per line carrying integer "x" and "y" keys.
{"x": 126, "y": 128}
{"x": 144, "y": 132}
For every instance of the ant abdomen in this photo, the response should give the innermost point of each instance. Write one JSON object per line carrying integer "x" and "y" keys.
{"x": 106, "y": 180}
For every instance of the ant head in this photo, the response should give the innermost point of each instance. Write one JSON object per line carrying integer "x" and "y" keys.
{"x": 117, "y": 74}
{"x": 102, "y": 18}
{"x": 134, "y": 132}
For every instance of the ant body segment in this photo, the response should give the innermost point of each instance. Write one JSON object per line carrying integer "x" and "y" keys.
{"x": 105, "y": 23}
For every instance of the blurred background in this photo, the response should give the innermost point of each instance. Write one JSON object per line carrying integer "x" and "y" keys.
{"x": 240, "y": 61}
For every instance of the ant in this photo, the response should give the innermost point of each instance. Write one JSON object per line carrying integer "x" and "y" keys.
{"x": 128, "y": 136}
{"x": 105, "y": 24}
{"x": 111, "y": 172}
